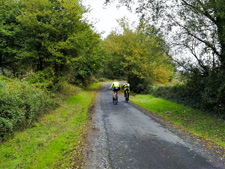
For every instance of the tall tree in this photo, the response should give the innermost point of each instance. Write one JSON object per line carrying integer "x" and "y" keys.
{"x": 9, "y": 36}
{"x": 50, "y": 34}
{"x": 139, "y": 55}
{"x": 49, "y": 27}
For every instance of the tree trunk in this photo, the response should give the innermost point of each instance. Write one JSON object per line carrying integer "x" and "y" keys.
{"x": 221, "y": 38}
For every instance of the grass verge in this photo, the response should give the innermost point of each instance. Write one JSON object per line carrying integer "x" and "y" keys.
{"x": 53, "y": 142}
{"x": 205, "y": 125}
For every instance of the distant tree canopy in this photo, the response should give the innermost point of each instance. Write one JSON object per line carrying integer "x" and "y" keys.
{"x": 47, "y": 34}
{"x": 140, "y": 55}
{"x": 199, "y": 26}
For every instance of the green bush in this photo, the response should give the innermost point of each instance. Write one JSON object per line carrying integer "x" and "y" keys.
{"x": 21, "y": 104}
{"x": 45, "y": 79}
{"x": 102, "y": 79}
{"x": 179, "y": 92}
{"x": 140, "y": 85}
{"x": 66, "y": 91}
{"x": 205, "y": 92}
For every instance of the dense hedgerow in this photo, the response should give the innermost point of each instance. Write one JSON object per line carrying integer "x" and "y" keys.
{"x": 178, "y": 92}
{"x": 203, "y": 93}
{"x": 21, "y": 104}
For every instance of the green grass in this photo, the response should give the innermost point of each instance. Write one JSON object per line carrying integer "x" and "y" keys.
{"x": 94, "y": 86}
{"x": 203, "y": 124}
{"x": 54, "y": 141}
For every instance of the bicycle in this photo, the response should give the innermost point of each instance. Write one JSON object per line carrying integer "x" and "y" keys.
{"x": 115, "y": 98}
{"x": 126, "y": 95}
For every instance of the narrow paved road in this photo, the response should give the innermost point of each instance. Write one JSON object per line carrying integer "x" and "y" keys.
{"x": 124, "y": 137}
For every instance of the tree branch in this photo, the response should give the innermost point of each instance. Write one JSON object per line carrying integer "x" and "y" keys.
{"x": 205, "y": 12}
{"x": 208, "y": 44}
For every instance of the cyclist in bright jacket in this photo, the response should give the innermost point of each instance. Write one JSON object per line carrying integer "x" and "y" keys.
{"x": 126, "y": 86}
{"x": 115, "y": 87}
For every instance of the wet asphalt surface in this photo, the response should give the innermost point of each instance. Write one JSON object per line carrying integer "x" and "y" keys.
{"x": 125, "y": 137}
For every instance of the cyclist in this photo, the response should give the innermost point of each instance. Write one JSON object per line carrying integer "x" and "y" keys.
{"x": 115, "y": 87}
{"x": 126, "y": 86}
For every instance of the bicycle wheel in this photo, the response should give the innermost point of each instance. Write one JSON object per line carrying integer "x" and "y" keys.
{"x": 116, "y": 99}
{"x": 126, "y": 97}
